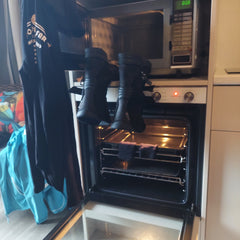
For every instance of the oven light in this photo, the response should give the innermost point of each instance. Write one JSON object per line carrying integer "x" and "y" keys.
{"x": 175, "y": 93}
{"x": 165, "y": 134}
{"x": 166, "y": 126}
{"x": 165, "y": 139}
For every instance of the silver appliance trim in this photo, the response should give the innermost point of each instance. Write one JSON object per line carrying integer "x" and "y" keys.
{"x": 169, "y": 94}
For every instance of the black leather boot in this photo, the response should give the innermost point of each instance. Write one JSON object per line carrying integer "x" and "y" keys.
{"x": 136, "y": 101}
{"x": 98, "y": 74}
{"x": 129, "y": 111}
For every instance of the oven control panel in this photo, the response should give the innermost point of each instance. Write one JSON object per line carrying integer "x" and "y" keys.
{"x": 194, "y": 95}
{"x": 197, "y": 95}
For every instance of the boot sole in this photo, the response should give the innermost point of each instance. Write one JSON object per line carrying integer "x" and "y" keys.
{"x": 121, "y": 125}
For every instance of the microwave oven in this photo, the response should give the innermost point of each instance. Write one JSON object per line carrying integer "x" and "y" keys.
{"x": 172, "y": 34}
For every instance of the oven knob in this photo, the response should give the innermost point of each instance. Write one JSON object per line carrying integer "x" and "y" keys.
{"x": 156, "y": 96}
{"x": 188, "y": 96}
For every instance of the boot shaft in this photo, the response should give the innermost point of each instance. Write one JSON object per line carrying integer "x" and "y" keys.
{"x": 129, "y": 72}
{"x": 96, "y": 67}
{"x": 130, "y": 95}
{"x": 98, "y": 75}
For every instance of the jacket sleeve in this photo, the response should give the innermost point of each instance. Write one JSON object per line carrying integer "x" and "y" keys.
{"x": 69, "y": 15}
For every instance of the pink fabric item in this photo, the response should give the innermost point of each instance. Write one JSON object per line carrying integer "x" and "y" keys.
{"x": 147, "y": 150}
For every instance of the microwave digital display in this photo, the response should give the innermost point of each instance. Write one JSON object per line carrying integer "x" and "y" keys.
{"x": 183, "y": 4}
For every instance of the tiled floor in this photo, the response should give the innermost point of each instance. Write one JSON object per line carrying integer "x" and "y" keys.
{"x": 20, "y": 225}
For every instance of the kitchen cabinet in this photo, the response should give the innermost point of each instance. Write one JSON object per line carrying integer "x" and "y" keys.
{"x": 227, "y": 34}
{"x": 223, "y": 206}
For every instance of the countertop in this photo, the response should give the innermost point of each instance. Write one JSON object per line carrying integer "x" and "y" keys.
{"x": 223, "y": 78}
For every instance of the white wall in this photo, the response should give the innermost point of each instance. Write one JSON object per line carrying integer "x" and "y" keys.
{"x": 10, "y": 42}
{"x": 15, "y": 18}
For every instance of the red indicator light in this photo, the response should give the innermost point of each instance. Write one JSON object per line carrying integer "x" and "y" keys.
{"x": 175, "y": 93}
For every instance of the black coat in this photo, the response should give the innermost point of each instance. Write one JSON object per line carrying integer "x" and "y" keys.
{"x": 48, "y": 113}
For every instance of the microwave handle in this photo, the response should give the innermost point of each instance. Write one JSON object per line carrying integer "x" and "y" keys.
{"x": 170, "y": 45}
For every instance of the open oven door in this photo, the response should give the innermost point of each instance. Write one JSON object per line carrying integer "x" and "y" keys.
{"x": 97, "y": 221}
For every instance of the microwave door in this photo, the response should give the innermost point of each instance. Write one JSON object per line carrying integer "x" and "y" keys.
{"x": 95, "y": 221}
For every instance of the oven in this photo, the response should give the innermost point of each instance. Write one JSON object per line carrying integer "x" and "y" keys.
{"x": 158, "y": 171}
{"x": 169, "y": 175}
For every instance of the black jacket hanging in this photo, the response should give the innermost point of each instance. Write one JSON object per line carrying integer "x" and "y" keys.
{"x": 48, "y": 112}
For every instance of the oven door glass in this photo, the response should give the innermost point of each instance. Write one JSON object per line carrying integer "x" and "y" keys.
{"x": 97, "y": 221}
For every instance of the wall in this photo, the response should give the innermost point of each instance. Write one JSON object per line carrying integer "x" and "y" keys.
{"x": 10, "y": 42}
{"x": 4, "y": 69}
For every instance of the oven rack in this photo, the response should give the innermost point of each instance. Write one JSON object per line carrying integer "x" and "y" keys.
{"x": 169, "y": 158}
{"x": 156, "y": 177}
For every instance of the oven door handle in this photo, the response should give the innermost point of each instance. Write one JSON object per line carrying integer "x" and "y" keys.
{"x": 65, "y": 224}
{"x": 191, "y": 228}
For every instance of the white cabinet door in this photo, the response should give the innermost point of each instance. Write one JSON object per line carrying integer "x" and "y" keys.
{"x": 226, "y": 108}
{"x": 223, "y": 208}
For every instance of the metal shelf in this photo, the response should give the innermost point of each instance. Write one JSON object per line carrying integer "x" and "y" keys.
{"x": 169, "y": 158}
{"x": 156, "y": 177}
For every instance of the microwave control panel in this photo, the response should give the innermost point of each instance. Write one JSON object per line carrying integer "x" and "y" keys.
{"x": 182, "y": 33}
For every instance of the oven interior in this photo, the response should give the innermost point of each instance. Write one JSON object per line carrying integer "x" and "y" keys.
{"x": 170, "y": 174}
